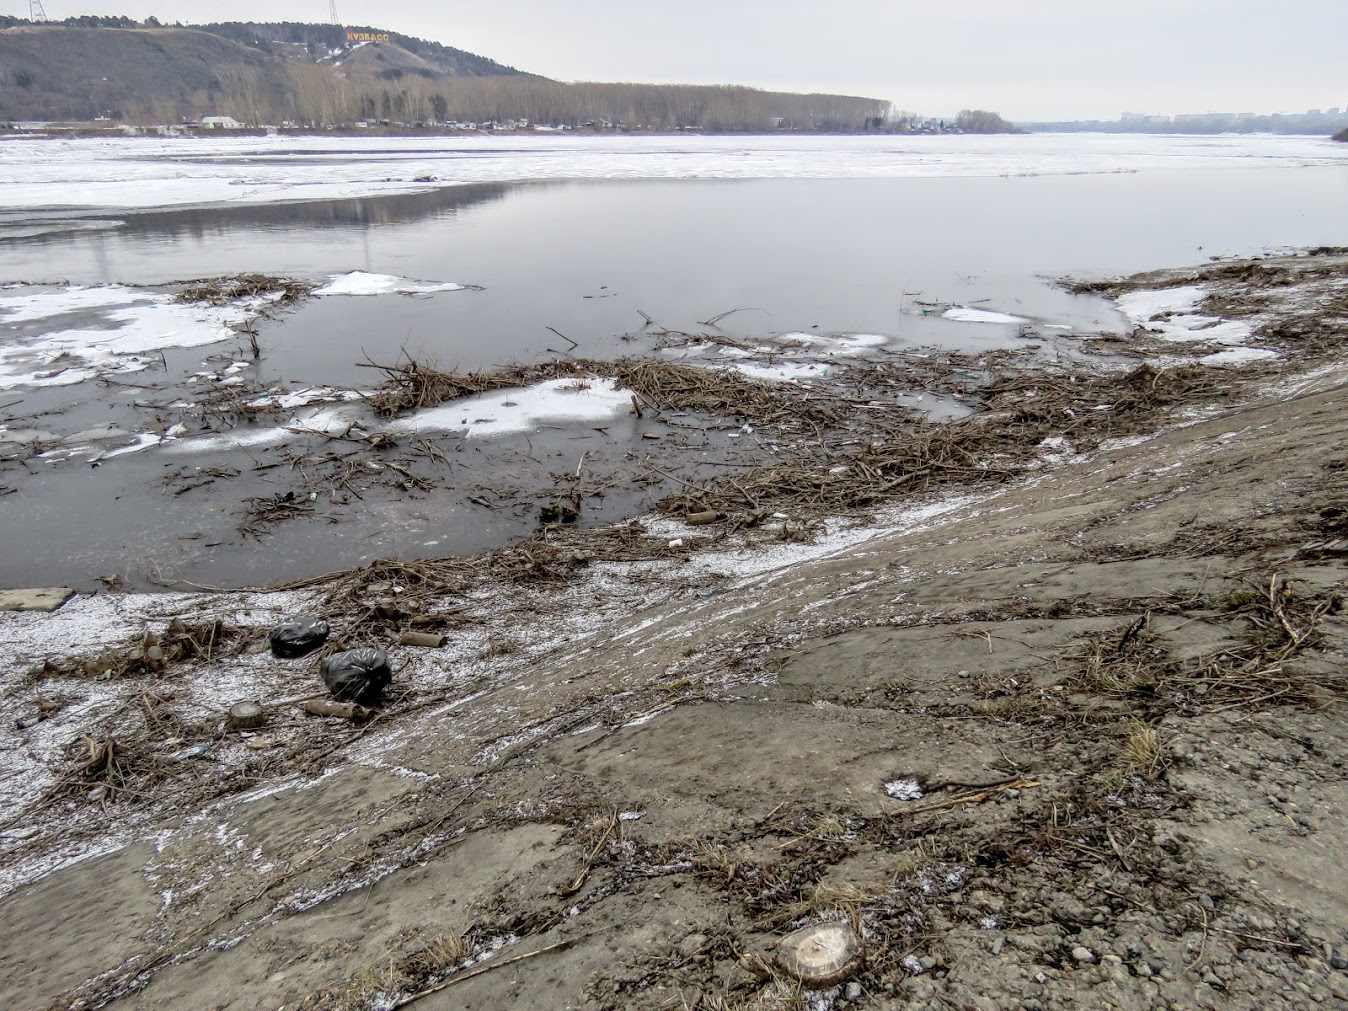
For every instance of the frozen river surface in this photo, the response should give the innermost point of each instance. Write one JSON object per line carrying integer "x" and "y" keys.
{"x": 145, "y": 172}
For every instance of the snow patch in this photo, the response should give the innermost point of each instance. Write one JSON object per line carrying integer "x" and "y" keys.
{"x": 904, "y": 789}
{"x": 787, "y": 372}
{"x": 967, "y": 314}
{"x": 361, "y": 282}
{"x": 836, "y": 344}
{"x": 1238, "y": 356}
{"x": 520, "y": 410}
{"x": 1169, "y": 313}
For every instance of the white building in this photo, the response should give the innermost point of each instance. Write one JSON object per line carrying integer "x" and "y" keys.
{"x": 220, "y": 123}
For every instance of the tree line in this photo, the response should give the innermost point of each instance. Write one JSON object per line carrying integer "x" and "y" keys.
{"x": 317, "y": 97}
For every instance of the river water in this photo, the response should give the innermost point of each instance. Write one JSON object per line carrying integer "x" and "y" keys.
{"x": 576, "y": 236}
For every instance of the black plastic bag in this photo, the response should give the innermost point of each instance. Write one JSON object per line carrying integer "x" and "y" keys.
{"x": 298, "y": 636}
{"x": 358, "y": 675}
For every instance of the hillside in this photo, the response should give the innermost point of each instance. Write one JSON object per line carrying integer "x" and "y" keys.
{"x": 318, "y": 40}
{"x": 304, "y": 75}
{"x": 81, "y": 73}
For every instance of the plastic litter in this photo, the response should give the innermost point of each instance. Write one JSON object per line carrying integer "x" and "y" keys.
{"x": 298, "y": 637}
{"x": 358, "y": 675}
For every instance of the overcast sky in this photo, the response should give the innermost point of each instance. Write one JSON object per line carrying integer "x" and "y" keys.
{"x": 1027, "y": 59}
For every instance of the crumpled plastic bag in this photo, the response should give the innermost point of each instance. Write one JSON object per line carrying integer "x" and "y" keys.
{"x": 298, "y": 637}
{"x": 358, "y": 675}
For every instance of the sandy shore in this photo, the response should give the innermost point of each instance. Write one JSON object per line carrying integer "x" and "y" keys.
{"x": 1067, "y": 740}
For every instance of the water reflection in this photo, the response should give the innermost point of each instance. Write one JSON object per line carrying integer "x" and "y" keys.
{"x": 26, "y": 229}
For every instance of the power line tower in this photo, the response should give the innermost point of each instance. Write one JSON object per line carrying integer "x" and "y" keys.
{"x": 36, "y": 13}
{"x": 332, "y": 12}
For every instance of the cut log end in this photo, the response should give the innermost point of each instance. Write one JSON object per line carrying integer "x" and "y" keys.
{"x": 245, "y": 716}
{"x": 344, "y": 710}
{"x": 820, "y": 955}
{"x": 702, "y": 519}
{"x": 428, "y": 640}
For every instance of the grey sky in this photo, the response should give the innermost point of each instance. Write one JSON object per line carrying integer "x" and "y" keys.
{"x": 1028, "y": 59}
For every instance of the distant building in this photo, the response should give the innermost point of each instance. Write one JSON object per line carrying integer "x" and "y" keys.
{"x": 220, "y": 123}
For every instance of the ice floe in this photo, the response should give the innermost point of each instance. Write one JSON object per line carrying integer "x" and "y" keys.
{"x": 288, "y": 400}
{"x": 967, "y": 314}
{"x": 361, "y": 282}
{"x": 56, "y": 335}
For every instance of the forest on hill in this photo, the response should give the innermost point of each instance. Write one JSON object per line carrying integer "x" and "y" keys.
{"x": 307, "y": 76}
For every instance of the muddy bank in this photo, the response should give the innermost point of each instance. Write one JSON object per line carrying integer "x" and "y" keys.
{"x": 1064, "y": 736}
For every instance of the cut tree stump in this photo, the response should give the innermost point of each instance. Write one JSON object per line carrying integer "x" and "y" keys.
{"x": 822, "y": 954}
{"x": 245, "y": 716}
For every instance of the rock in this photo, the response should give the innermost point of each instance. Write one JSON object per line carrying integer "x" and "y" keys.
{"x": 45, "y": 598}
{"x": 820, "y": 955}
{"x": 853, "y": 992}
{"x": 1082, "y": 954}
{"x": 1338, "y": 961}
{"x": 691, "y": 944}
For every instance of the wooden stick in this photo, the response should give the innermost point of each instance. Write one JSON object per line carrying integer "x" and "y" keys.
{"x": 412, "y": 998}
{"x": 564, "y": 337}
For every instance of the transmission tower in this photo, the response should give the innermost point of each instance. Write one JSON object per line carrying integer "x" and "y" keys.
{"x": 332, "y": 11}
{"x": 36, "y": 13}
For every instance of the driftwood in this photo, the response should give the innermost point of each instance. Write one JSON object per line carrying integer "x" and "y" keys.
{"x": 430, "y": 640}
{"x": 346, "y": 710}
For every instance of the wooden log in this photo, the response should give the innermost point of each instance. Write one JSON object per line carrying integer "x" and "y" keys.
{"x": 430, "y": 640}
{"x": 345, "y": 710}
{"x": 702, "y": 519}
{"x": 245, "y": 716}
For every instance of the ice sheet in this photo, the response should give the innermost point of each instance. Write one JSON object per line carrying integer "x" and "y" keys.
{"x": 137, "y": 172}
{"x": 56, "y": 335}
